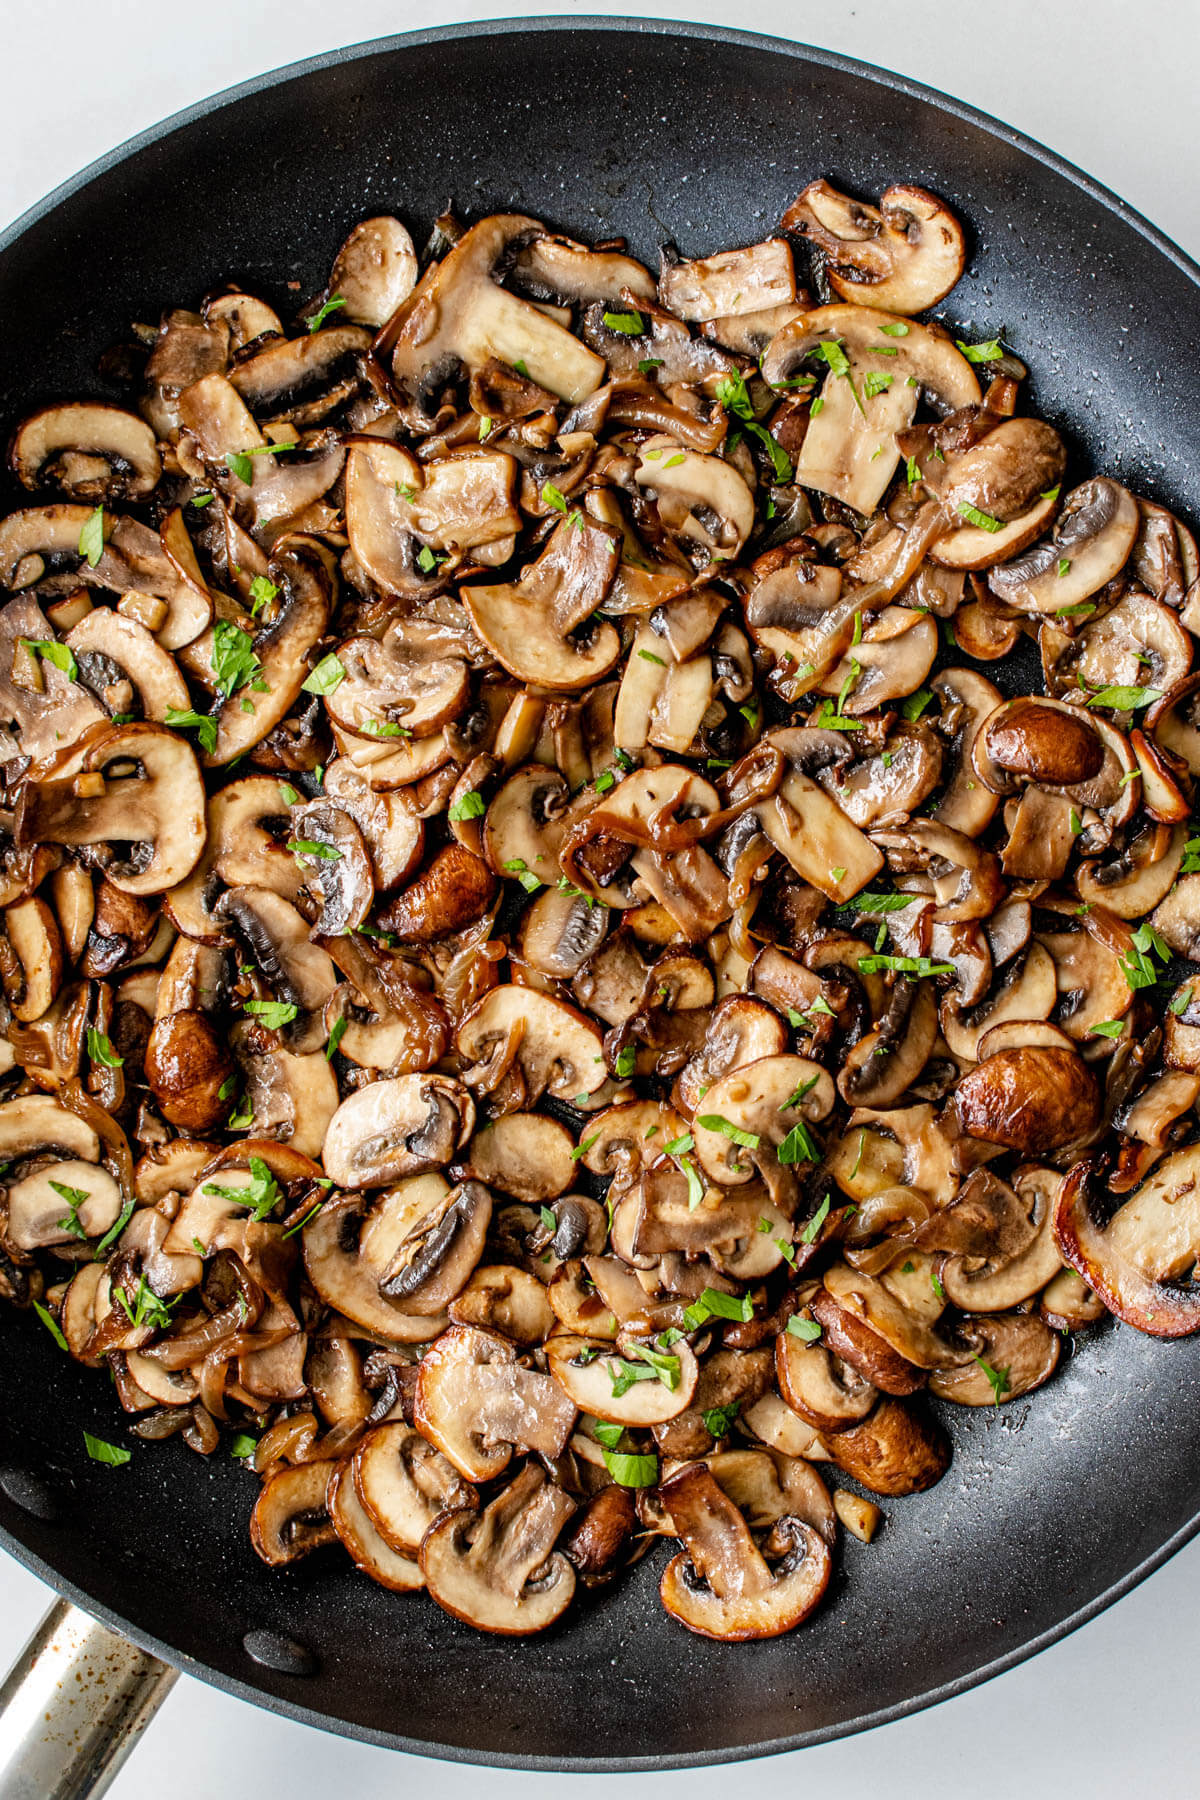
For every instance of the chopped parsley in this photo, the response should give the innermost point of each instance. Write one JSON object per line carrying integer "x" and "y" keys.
{"x": 812, "y": 1229}
{"x": 332, "y": 305}
{"x": 100, "y": 1451}
{"x": 629, "y": 324}
{"x": 261, "y": 1193}
{"x": 471, "y": 806}
{"x": 52, "y": 652}
{"x": 91, "y": 538}
{"x": 807, "y": 1330}
{"x": 326, "y": 677}
{"x": 203, "y": 724}
{"x": 274, "y": 1014}
{"x": 99, "y": 1048}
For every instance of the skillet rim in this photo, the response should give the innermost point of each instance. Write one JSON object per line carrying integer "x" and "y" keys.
{"x": 889, "y": 82}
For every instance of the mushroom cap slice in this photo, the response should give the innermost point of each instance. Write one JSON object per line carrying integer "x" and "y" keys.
{"x": 437, "y": 1255}
{"x": 151, "y": 795}
{"x": 390, "y": 1129}
{"x": 541, "y": 629}
{"x": 1093, "y": 536}
{"x": 344, "y": 1259}
{"x": 524, "y": 1154}
{"x": 375, "y": 271}
{"x": 1020, "y": 1351}
{"x": 457, "y": 314}
{"x": 997, "y": 1282}
{"x": 721, "y": 1586}
{"x": 404, "y": 1483}
{"x": 607, "y": 1381}
{"x": 404, "y": 679}
{"x": 1153, "y": 1236}
{"x": 89, "y": 450}
{"x": 852, "y": 1340}
{"x": 498, "y": 1569}
{"x": 906, "y": 254}
{"x": 367, "y": 1546}
{"x": 827, "y": 1390}
{"x": 839, "y": 455}
{"x": 729, "y": 284}
{"x": 303, "y": 571}
{"x": 517, "y": 1032}
{"x": 290, "y": 1516}
{"x": 38, "y": 1214}
{"x": 478, "y": 1404}
{"x": 692, "y": 489}
{"x": 764, "y": 1100}
{"x": 117, "y": 652}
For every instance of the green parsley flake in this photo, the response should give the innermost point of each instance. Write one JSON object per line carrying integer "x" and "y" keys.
{"x": 99, "y": 1048}
{"x": 326, "y": 677}
{"x": 273, "y": 1013}
{"x": 100, "y": 1451}
{"x": 52, "y": 652}
{"x": 91, "y": 538}
{"x": 629, "y": 324}
{"x": 203, "y": 724}
{"x": 332, "y": 305}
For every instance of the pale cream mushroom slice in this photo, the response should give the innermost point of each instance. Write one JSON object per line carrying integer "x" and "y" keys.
{"x": 1138, "y": 643}
{"x": 542, "y": 629}
{"x": 134, "y": 785}
{"x": 459, "y": 504}
{"x": 906, "y": 254}
{"x": 757, "y": 1118}
{"x": 1026, "y": 989}
{"x": 88, "y": 450}
{"x": 438, "y": 1254}
{"x": 810, "y": 829}
{"x": 49, "y": 709}
{"x": 530, "y": 1044}
{"x": 506, "y": 1300}
{"x": 368, "y": 1548}
{"x": 390, "y": 1129}
{"x": 730, "y": 284}
{"x": 828, "y": 1392}
{"x": 374, "y": 272}
{"x": 291, "y": 1097}
{"x": 1093, "y": 536}
{"x": 849, "y": 450}
{"x": 632, "y": 1383}
{"x": 248, "y": 822}
{"x": 498, "y": 1569}
{"x": 891, "y": 660}
{"x": 34, "y": 965}
{"x": 458, "y": 314}
{"x": 888, "y": 1060}
{"x": 722, "y": 1585}
{"x": 479, "y": 1404}
{"x": 126, "y": 667}
{"x": 526, "y": 1154}
{"x": 967, "y": 700}
{"x": 560, "y": 932}
{"x": 1135, "y": 878}
{"x": 769, "y": 1486}
{"x": 702, "y": 500}
{"x": 347, "y": 1245}
{"x": 404, "y": 1483}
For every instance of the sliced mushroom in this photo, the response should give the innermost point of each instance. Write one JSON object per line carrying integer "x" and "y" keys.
{"x": 702, "y": 500}
{"x": 375, "y": 271}
{"x": 369, "y": 1550}
{"x": 498, "y": 1569}
{"x": 88, "y": 450}
{"x": 905, "y": 255}
{"x": 540, "y": 629}
{"x": 730, "y": 284}
{"x": 290, "y": 1516}
{"x": 1015, "y": 1353}
{"x": 437, "y": 1255}
{"x": 457, "y": 314}
{"x": 524, "y": 1154}
{"x": 404, "y": 1484}
{"x": 533, "y": 1045}
{"x": 134, "y": 785}
{"x": 1093, "y": 536}
{"x": 849, "y": 450}
{"x": 826, "y": 1390}
{"x": 722, "y": 1585}
{"x": 631, "y": 1384}
{"x": 347, "y": 1245}
{"x": 391, "y": 1129}
{"x": 1150, "y": 1240}
{"x": 478, "y": 1404}
{"x": 896, "y": 1450}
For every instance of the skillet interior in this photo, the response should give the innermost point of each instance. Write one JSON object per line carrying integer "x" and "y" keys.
{"x": 1054, "y": 1504}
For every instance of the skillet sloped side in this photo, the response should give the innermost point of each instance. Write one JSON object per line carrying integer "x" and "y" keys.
{"x": 1052, "y": 1505}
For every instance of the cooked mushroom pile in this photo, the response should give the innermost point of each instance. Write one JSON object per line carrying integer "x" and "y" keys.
{"x": 548, "y": 996}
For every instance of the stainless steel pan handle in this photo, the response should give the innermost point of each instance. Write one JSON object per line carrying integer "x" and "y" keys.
{"x": 73, "y": 1706}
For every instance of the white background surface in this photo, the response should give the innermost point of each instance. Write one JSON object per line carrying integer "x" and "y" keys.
{"x": 1111, "y": 1711}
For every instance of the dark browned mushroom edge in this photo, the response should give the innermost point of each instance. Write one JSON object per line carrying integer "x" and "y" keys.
{"x": 544, "y": 997}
